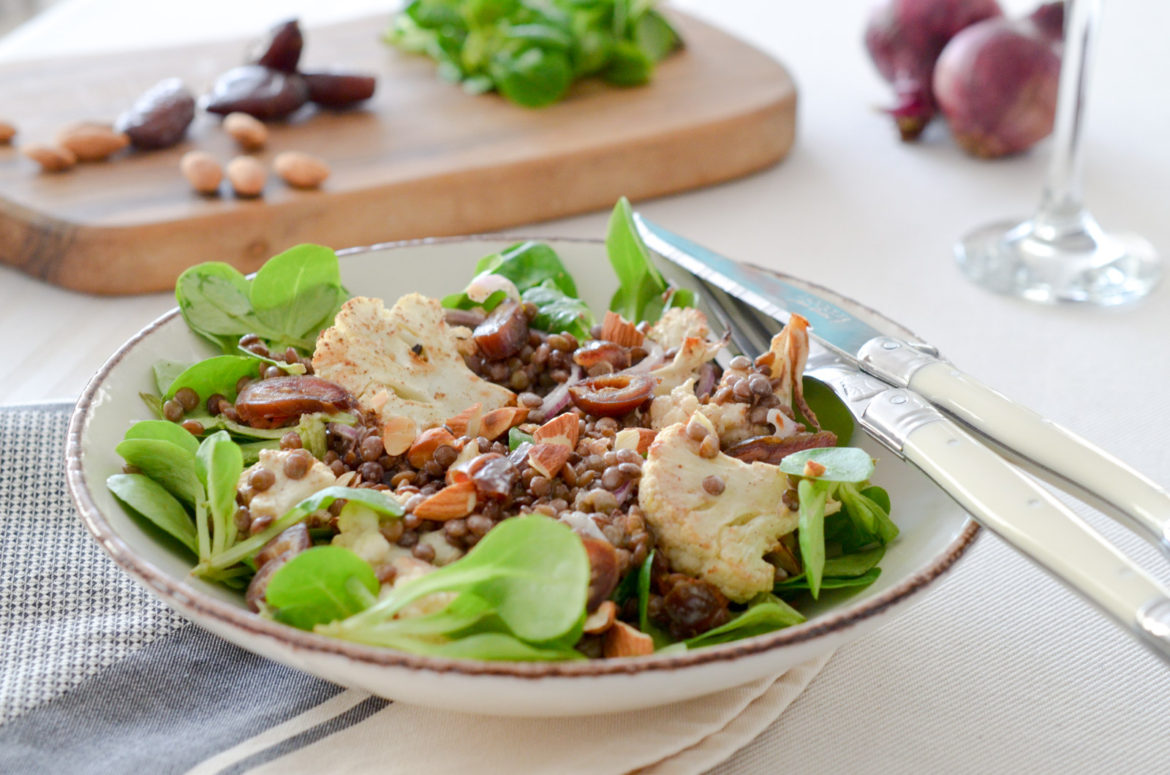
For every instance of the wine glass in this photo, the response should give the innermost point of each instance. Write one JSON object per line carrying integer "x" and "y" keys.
{"x": 1061, "y": 253}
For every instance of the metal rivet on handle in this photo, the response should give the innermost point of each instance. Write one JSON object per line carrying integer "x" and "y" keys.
{"x": 898, "y": 400}
{"x": 889, "y": 345}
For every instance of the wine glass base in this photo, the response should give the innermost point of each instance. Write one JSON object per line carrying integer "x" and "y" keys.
{"x": 1042, "y": 264}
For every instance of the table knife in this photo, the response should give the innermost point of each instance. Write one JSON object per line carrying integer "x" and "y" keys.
{"x": 896, "y": 389}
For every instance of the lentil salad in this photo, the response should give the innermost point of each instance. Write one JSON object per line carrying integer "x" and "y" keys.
{"x": 500, "y": 475}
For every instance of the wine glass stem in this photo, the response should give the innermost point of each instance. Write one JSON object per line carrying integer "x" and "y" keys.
{"x": 1060, "y": 205}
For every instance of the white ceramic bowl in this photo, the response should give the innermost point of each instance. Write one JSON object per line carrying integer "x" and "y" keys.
{"x": 934, "y": 534}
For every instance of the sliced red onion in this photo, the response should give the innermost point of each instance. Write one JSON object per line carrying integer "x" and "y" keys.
{"x": 655, "y": 357}
{"x": 708, "y": 376}
{"x": 347, "y": 432}
{"x": 559, "y": 399}
{"x": 623, "y": 493}
{"x": 484, "y": 285}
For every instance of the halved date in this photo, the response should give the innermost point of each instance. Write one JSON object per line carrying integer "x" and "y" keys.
{"x": 773, "y": 449}
{"x": 261, "y": 92}
{"x": 603, "y": 571}
{"x": 281, "y": 48}
{"x": 612, "y": 395}
{"x": 503, "y": 333}
{"x": 280, "y": 401}
{"x": 339, "y": 89}
{"x": 160, "y": 117}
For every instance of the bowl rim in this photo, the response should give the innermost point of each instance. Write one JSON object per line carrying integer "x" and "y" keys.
{"x": 177, "y": 594}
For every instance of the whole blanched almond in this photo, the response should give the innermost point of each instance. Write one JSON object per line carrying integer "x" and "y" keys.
{"x": 92, "y": 141}
{"x": 300, "y": 170}
{"x": 202, "y": 171}
{"x": 250, "y": 133}
{"x": 7, "y": 132}
{"x": 52, "y": 158}
{"x": 247, "y": 176}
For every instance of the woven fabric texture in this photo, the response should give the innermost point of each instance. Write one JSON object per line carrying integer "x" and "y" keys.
{"x": 66, "y": 610}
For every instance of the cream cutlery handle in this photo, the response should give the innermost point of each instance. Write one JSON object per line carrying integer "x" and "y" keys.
{"x": 1042, "y": 446}
{"x": 1025, "y": 515}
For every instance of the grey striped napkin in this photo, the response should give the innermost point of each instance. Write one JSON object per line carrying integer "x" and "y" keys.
{"x": 96, "y": 676}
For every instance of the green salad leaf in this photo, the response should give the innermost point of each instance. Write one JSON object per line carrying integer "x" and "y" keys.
{"x": 375, "y": 500}
{"x": 218, "y": 464}
{"x": 557, "y": 311}
{"x": 831, "y": 411}
{"x": 320, "y": 585}
{"x": 531, "y": 52}
{"x": 766, "y": 613}
{"x": 151, "y": 500}
{"x": 844, "y": 469}
{"x": 542, "y": 280}
{"x": 170, "y": 464}
{"x": 293, "y": 296}
{"x": 214, "y": 375}
{"x": 643, "y": 292}
{"x": 528, "y": 579}
{"x": 163, "y": 430}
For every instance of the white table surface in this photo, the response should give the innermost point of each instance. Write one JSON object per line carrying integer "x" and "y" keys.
{"x": 999, "y": 669}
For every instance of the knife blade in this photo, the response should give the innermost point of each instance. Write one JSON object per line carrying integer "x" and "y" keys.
{"x": 1027, "y": 439}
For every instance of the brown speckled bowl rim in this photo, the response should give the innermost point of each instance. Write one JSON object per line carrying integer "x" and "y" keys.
{"x": 176, "y": 593}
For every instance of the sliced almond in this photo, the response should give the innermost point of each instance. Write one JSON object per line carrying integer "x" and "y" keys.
{"x": 467, "y": 422}
{"x": 616, "y": 329}
{"x": 637, "y": 439}
{"x": 548, "y": 459}
{"x": 602, "y": 619}
{"x": 424, "y": 446}
{"x": 498, "y": 421}
{"x": 398, "y": 433}
{"x": 562, "y": 429}
{"x": 812, "y": 468}
{"x": 622, "y": 640}
{"x": 451, "y": 502}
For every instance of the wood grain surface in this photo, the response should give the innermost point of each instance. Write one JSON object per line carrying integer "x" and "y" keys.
{"x": 422, "y": 158}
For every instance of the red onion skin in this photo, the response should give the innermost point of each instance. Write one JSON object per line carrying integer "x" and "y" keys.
{"x": 996, "y": 82}
{"x": 905, "y": 37}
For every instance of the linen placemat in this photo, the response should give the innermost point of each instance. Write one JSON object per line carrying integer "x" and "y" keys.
{"x": 98, "y": 676}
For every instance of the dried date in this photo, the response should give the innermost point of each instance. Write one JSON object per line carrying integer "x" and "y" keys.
{"x": 160, "y": 117}
{"x": 259, "y": 91}
{"x": 339, "y": 89}
{"x": 280, "y": 401}
{"x": 281, "y": 49}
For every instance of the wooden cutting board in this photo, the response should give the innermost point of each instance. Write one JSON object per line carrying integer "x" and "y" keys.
{"x": 422, "y": 158}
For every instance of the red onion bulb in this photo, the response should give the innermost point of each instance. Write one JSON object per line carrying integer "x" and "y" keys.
{"x": 905, "y": 37}
{"x": 996, "y": 82}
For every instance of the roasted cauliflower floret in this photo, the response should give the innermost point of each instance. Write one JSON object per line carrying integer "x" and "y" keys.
{"x": 677, "y": 325}
{"x": 786, "y": 358}
{"x": 403, "y": 364}
{"x": 692, "y": 353}
{"x": 719, "y": 538}
{"x": 730, "y": 420}
{"x": 285, "y": 492}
